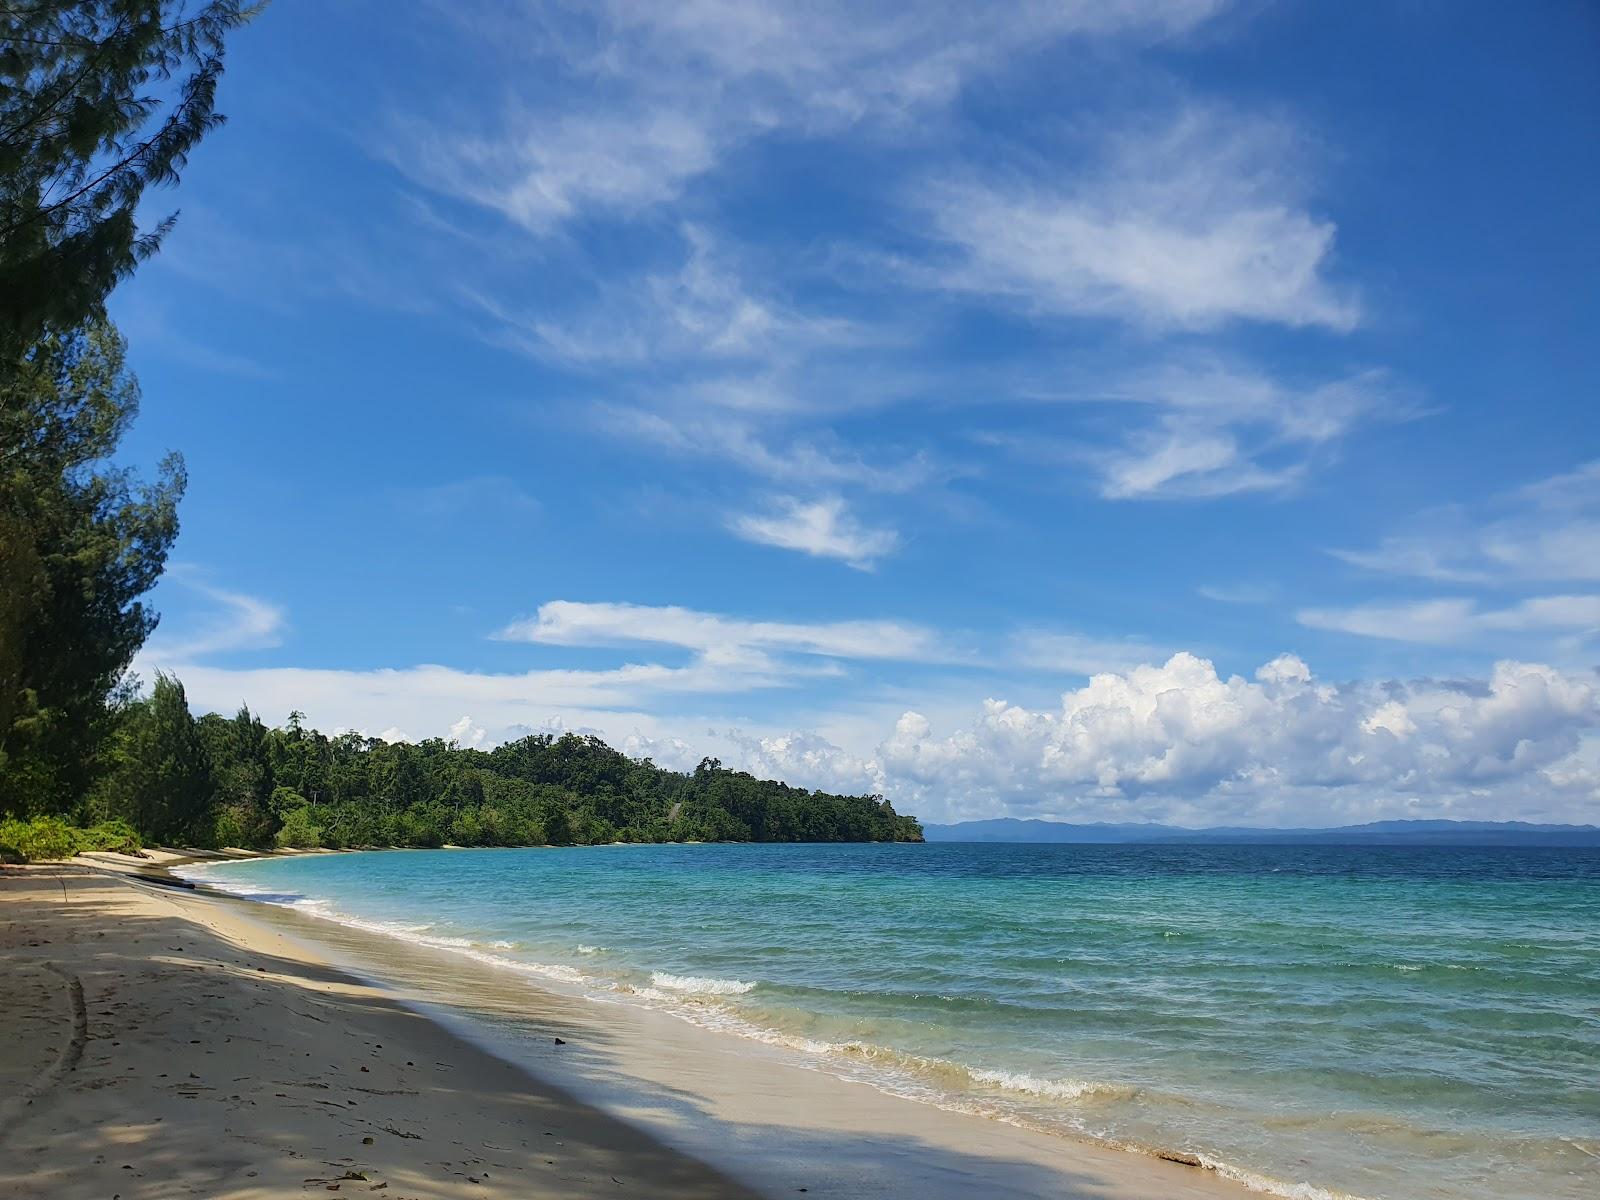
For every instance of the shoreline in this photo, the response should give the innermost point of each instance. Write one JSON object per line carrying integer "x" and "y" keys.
{"x": 164, "y": 1044}
{"x": 765, "y": 1121}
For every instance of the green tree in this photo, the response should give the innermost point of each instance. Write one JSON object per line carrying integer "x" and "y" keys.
{"x": 83, "y": 540}
{"x": 99, "y": 100}
{"x": 165, "y": 783}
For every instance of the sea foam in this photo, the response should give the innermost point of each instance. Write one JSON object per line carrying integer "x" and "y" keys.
{"x": 700, "y": 985}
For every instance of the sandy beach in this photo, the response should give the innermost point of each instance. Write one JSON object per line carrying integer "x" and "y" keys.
{"x": 162, "y": 1042}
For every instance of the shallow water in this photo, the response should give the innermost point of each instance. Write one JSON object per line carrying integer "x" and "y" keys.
{"x": 1379, "y": 1022}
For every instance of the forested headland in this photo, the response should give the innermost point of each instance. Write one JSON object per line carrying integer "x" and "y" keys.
{"x": 233, "y": 781}
{"x": 101, "y": 103}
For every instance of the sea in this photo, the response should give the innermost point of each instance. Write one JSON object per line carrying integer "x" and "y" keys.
{"x": 1315, "y": 1021}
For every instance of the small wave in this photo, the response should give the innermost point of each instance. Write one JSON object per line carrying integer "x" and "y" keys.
{"x": 582, "y": 949}
{"x": 699, "y": 985}
{"x": 549, "y": 970}
{"x": 503, "y": 945}
{"x": 1054, "y": 1089}
{"x": 1257, "y": 1182}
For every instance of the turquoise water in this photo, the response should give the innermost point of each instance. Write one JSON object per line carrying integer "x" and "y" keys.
{"x": 1376, "y": 1022}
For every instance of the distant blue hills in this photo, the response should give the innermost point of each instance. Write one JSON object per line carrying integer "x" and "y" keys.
{"x": 1375, "y": 833}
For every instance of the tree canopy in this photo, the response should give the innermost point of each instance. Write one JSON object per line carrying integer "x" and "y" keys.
{"x": 81, "y": 541}
{"x": 234, "y": 781}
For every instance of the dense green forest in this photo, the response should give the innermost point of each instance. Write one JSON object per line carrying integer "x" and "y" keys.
{"x": 219, "y": 781}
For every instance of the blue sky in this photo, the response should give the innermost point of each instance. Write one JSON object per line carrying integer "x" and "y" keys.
{"x": 1165, "y": 409}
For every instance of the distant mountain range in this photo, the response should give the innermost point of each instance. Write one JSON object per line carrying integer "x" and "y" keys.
{"x": 1376, "y": 833}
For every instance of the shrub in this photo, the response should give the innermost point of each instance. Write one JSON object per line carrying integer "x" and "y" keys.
{"x": 42, "y": 837}
{"x": 298, "y": 832}
{"x": 115, "y": 835}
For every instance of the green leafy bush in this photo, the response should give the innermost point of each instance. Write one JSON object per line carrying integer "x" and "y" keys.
{"x": 299, "y": 831}
{"x": 117, "y": 836}
{"x": 50, "y": 837}
{"x": 39, "y": 838}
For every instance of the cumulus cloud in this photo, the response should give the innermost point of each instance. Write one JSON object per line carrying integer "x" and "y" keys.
{"x": 1180, "y": 740}
{"x": 468, "y": 734}
{"x": 1188, "y": 226}
{"x": 822, "y": 528}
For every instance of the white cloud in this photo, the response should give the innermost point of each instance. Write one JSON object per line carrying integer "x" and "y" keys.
{"x": 467, "y": 734}
{"x": 1456, "y": 620}
{"x": 540, "y": 170}
{"x": 1178, "y": 741}
{"x": 1188, "y": 226}
{"x": 1074, "y": 654}
{"x": 816, "y": 459}
{"x": 1237, "y": 593}
{"x": 823, "y": 528}
{"x": 239, "y": 622}
{"x": 663, "y": 92}
{"x": 1549, "y": 530}
{"x": 423, "y": 697}
{"x": 1204, "y": 427}
{"x": 701, "y": 309}
{"x": 571, "y": 623}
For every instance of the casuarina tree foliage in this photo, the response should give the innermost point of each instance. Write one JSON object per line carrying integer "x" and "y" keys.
{"x": 81, "y": 540}
{"x": 99, "y": 100}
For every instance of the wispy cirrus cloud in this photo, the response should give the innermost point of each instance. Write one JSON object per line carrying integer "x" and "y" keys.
{"x": 1204, "y": 426}
{"x": 823, "y": 528}
{"x": 1522, "y": 540}
{"x": 662, "y": 93}
{"x": 1547, "y": 530}
{"x": 574, "y": 623}
{"x": 698, "y": 309}
{"x": 235, "y": 621}
{"x": 774, "y": 455}
{"x": 1077, "y": 654}
{"x": 1192, "y": 225}
{"x": 1237, "y": 593}
{"x": 1455, "y": 619}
